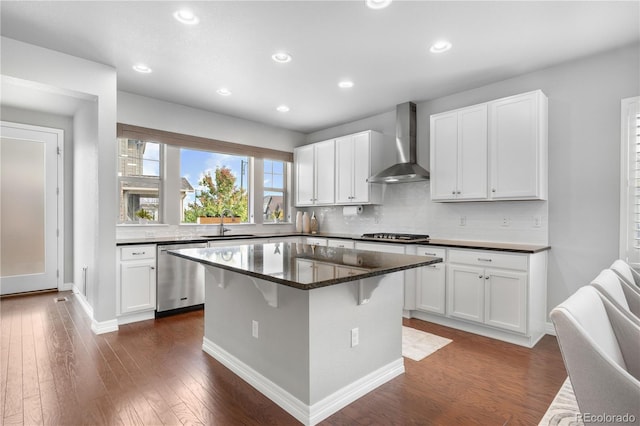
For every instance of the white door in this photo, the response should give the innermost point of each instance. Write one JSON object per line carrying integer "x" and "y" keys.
{"x": 472, "y": 154}
{"x": 344, "y": 170}
{"x": 444, "y": 156}
{"x": 465, "y": 292}
{"x": 325, "y": 163}
{"x": 29, "y": 208}
{"x": 361, "y": 167}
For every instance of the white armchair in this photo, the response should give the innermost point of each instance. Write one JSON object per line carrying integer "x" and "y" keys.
{"x": 601, "y": 351}
{"x": 626, "y": 272}
{"x": 621, "y": 294}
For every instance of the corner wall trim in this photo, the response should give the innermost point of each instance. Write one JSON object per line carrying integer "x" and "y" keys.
{"x": 550, "y": 329}
{"x": 98, "y": 327}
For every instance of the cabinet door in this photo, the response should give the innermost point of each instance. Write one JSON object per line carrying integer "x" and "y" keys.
{"x": 304, "y": 166}
{"x": 514, "y": 145}
{"x": 444, "y": 156}
{"x": 465, "y": 292}
{"x": 361, "y": 167}
{"x": 472, "y": 153}
{"x": 344, "y": 170}
{"x": 324, "y": 172}
{"x": 430, "y": 291}
{"x": 137, "y": 286}
{"x": 506, "y": 299}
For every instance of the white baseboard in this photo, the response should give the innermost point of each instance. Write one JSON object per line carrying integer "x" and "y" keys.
{"x": 307, "y": 414}
{"x": 550, "y": 329}
{"x": 66, "y": 287}
{"x": 98, "y": 327}
{"x": 138, "y": 316}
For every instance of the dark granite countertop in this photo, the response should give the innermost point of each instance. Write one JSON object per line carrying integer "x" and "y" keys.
{"x": 480, "y": 245}
{"x": 303, "y": 266}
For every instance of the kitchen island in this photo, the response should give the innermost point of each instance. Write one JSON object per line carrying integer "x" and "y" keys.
{"x": 312, "y": 328}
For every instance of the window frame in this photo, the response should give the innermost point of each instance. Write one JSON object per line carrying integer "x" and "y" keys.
{"x": 286, "y": 169}
{"x": 142, "y": 180}
{"x": 170, "y": 170}
{"x": 630, "y": 181}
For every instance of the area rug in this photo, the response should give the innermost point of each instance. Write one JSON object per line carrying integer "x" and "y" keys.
{"x": 417, "y": 344}
{"x": 563, "y": 410}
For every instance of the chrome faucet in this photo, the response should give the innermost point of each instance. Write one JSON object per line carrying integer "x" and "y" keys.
{"x": 222, "y": 228}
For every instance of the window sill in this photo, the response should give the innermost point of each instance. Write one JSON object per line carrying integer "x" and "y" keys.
{"x": 277, "y": 223}
{"x": 146, "y": 225}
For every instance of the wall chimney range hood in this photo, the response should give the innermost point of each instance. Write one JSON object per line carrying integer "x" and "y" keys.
{"x": 406, "y": 169}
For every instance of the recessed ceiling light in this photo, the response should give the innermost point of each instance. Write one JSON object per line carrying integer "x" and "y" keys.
{"x": 440, "y": 46}
{"x": 142, "y": 68}
{"x": 283, "y": 108}
{"x": 186, "y": 17}
{"x": 281, "y": 57}
{"x": 346, "y": 84}
{"x": 378, "y": 4}
{"x": 223, "y": 91}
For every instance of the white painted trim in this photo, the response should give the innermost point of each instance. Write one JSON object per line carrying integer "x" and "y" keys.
{"x": 625, "y": 106}
{"x": 307, "y": 414}
{"x": 482, "y": 330}
{"x": 83, "y": 302}
{"x": 550, "y": 329}
{"x": 101, "y": 327}
{"x": 67, "y": 287}
{"x": 135, "y": 317}
{"x": 96, "y": 326}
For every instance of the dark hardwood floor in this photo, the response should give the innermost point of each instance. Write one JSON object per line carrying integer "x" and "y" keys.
{"x": 56, "y": 371}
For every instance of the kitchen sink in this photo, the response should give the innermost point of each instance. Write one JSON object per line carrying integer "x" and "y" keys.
{"x": 229, "y": 236}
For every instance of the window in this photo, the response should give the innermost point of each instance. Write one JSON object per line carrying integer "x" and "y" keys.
{"x": 139, "y": 181}
{"x": 630, "y": 182}
{"x": 274, "y": 202}
{"x": 180, "y": 179}
{"x": 212, "y": 184}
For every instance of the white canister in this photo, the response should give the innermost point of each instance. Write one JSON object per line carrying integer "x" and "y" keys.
{"x": 306, "y": 225}
{"x": 299, "y": 222}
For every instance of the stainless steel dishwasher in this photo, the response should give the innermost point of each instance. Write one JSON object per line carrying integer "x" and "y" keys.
{"x": 180, "y": 282}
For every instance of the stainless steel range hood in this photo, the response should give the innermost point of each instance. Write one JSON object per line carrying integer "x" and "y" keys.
{"x": 406, "y": 169}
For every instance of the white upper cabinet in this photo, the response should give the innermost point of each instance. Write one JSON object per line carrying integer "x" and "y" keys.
{"x": 315, "y": 173}
{"x": 518, "y": 147}
{"x": 358, "y": 156}
{"x": 459, "y": 154}
{"x": 336, "y": 171}
{"x": 491, "y": 151}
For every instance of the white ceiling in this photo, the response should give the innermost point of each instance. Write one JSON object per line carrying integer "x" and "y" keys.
{"x": 385, "y": 52}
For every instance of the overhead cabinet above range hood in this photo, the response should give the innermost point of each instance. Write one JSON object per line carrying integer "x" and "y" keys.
{"x": 407, "y": 168}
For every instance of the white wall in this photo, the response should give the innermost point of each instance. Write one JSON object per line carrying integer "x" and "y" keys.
{"x": 584, "y": 156}
{"x": 38, "y": 118}
{"x": 88, "y": 81}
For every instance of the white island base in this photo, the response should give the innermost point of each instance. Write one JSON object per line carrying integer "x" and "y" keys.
{"x": 312, "y": 352}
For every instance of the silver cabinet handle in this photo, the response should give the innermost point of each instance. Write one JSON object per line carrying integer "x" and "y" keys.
{"x": 429, "y": 254}
{"x": 486, "y": 277}
{"x": 153, "y": 267}
{"x": 484, "y": 259}
{"x": 163, "y": 250}
{"x": 453, "y": 192}
{"x": 493, "y": 190}
{"x": 480, "y": 276}
{"x": 138, "y": 253}
{"x": 458, "y": 192}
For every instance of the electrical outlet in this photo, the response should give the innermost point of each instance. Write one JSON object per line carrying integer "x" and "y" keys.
{"x": 463, "y": 220}
{"x": 506, "y": 221}
{"x": 254, "y": 328}
{"x": 537, "y": 222}
{"x": 355, "y": 337}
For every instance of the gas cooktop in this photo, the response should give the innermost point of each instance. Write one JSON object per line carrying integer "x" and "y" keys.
{"x": 390, "y": 236}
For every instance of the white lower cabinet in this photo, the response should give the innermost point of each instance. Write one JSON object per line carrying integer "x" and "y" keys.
{"x": 136, "y": 280}
{"x": 498, "y": 294}
{"x": 427, "y": 283}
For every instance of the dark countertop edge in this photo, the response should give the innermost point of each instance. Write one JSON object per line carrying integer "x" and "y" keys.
{"x": 438, "y": 242}
{"x": 314, "y": 285}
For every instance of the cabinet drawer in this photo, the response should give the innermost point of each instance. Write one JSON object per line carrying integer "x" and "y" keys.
{"x": 341, "y": 243}
{"x": 137, "y": 252}
{"x": 313, "y": 241}
{"x": 489, "y": 259}
{"x": 432, "y": 251}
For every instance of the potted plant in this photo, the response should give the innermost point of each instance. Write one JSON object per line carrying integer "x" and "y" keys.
{"x": 144, "y": 215}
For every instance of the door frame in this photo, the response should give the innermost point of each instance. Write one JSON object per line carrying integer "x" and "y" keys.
{"x": 60, "y": 255}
